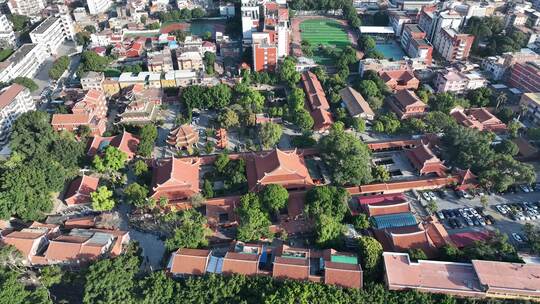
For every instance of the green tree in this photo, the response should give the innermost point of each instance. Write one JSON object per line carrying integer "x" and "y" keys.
{"x": 254, "y": 222}
{"x": 140, "y": 168}
{"x": 361, "y": 222}
{"x": 221, "y": 162}
{"x": 274, "y": 198}
{"x": 480, "y": 97}
{"x": 112, "y": 280}
{"x": 443, "y": 102}
{"x": 507, "y": 147}
{"x": 303, "y": 119}
{"x": 159, "y": 288}
{"x": 221, "y": 95}
{"x": 136, "y": 195}
{"x": 288, "y": 73}
{"x": 269, "y": 134}
{"x": 90, "y": 28}
{"x": 208, "y": 189}
{"x": 380, "y": 174}
{"x": 19, "y": 22}
{"x": 209, "y": 61}
{"x": 192, "y": 233}
{"x": 148, "y": 135}
{"x": 91, "y": 61}
{"x": 366, "y": 43}
{"x": 26, "y": 82}
{"x": 327, "y": 206}
{"x": 102, "y": 199}
{"x": 532, "y": 234}
{"x": 346, "y": 157}
{"x": 12, "y": 290}
{"x": 197, "y": 13}
{"x": 416, "y": 254}
{"x": 228, "y": 118}
{"x": 59, "y": 67}
{"x": 113, "y": 160}
{"x": 368, "y": 88}
{"x": 370, "y": 251}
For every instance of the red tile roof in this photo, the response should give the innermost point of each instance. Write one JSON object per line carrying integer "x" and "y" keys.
{"x": 80, "y": 189}
{"x": 317, "y": 104}
{"x": 430, "y": 276}
{"x": 509, "y": 278}
{"x": 407, "y": 98}
{"x": 241, "y": 263}
{"x": 183, "y": 136}
{"x": 279, "y": 167}
{"x": 9, "y": 94}
{"x": 478, "y": 118}
{"x": 425, "y": 161}
{"x": 176, "y": 178}
{"x": 189, "y": 261}
{"x": 25, "y": 241}
{"x": 465, "y": 239}
{"x": 125, "y": 142}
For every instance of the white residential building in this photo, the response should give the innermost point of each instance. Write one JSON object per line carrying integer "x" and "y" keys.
{"x": 24, "y": 62}
{"x": 494, "y": 66}
{"x": 14, "y": 101}
{"x": 250, "y": 11}
{"x": 52, "y": 32}
{"x": 96, "y": 7}
{"x": 412, "y": 4}
{"x": 452, "y": 80}
{"x": 7, "y": 35}
{"x": 30, "y": 8}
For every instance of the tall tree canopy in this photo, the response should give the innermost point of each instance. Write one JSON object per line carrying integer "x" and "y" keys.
{"x": 346, "y": 157}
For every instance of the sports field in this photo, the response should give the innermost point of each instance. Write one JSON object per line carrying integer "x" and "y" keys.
{"x": 327, "y": 32}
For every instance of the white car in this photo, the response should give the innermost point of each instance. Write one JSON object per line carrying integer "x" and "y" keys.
{"x": 432, "y": 195}
{"x": 426, "y": 196}
{"x": 440, "y": 215}
{"x": 501, "y": 209}
{"x": 517, "y": 237}
{"x": 524, "y": 188}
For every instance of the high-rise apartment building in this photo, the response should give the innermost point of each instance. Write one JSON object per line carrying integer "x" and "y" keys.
{"x": 30, "y": 8}
{"x": 52, "y": 32}
{"x": 96, "y": 7}
{"x": 14, "y": 101}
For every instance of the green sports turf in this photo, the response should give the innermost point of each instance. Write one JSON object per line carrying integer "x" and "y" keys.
{"x": 325, "y": 32}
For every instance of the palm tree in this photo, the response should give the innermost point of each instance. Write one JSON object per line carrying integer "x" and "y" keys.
{"x": 501, "y": 99}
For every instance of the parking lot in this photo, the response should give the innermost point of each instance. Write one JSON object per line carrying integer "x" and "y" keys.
{"x": 461, "y": 214}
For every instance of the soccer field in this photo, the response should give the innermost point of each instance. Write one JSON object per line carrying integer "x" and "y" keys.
{"x": 325, "y": 32}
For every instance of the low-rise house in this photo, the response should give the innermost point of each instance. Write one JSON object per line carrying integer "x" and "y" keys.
{"x": 478, "y": 118}
{"x": 92, "y": 81}
{"x": 328, "y": 266}
{"x": 146, "y": 79}
{"x": 476, "y": 279}
{"x": 125, "y": 142}
{"x": 160, "y": 61}
{"x": 189, "y": 262}
{"x": 80, "y": 189}
{"x": 355, "y": 104}
{"x": 142, "y": 105}
{"x": 406, "y": 103}
{"x": 278, "y": 167}
{"x": 189, "y": 60}
{"x": 317, "y": 105}
{"x": 400, "y": 80}
{"x": 90, "y": 111}
{"x": 183, "y": 137}
{"x": 29, "y": 241}
{"x": 111, "y": 86}
{"x": 425, "y": 161}
{"x": 179, "y": 78}
{"x": 80, "y": 246}
{"x": 452, "y": 80}
{"x": 175, "y": 179}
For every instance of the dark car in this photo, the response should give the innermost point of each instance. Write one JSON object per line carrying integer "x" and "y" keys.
{"x": 491, "y": 219}
{"x": 476, "y": 222}
{"x": 480, "y": 210}
{"x": 452, "y": 223}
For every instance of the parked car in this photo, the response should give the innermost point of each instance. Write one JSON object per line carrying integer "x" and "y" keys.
{"x": 524, "y": 188}
{"x": 432, "y": 195}
{"x": 491, "y": 219}
{"x": 440, "y": 215}
{"x": 452, "y": 223}
{"x": 426, "y": 196}
{"x": 517, "y": 237}
{"x": 468, "y": 221}
{"x": 467, "y": 195}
